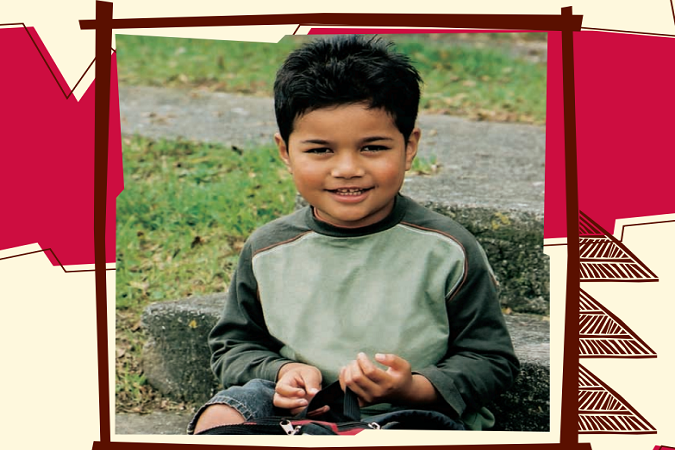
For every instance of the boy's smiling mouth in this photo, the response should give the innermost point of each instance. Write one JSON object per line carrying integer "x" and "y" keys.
{"x": 349, "y": 191}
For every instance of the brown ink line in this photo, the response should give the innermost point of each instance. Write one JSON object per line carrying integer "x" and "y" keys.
{"x": 612, "y": 238}
{"x": 104, "y": 13}
{"x": 643, "y": 33}
{"x": 554, "y": 245}
{"x": 569, "y": 413}
{"x": 617, "y": 357}
{"x": 616, "y": 396}
{"x": 477, "y": 21}
{"x": 44, "y": 59}
{"x": 55, "y": 257}
{"x": 623, "y": 227}
{"x": 628, "y": 332}
{"x": 618, "y": 433}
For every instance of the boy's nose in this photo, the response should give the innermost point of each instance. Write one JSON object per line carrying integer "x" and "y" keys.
{"x": 347, "y": 166}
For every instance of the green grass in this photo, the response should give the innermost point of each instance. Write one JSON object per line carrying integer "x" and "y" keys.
{"x": 244, "y": 67}
{"x": 482, "y": 82}
{"x": 185, "y": 211}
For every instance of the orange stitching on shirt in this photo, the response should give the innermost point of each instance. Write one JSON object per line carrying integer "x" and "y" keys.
{"x": 280, "y": 243}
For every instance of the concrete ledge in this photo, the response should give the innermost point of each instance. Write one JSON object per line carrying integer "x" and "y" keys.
{"x": 176, "y": 359}
{"x": 513, "y": 242}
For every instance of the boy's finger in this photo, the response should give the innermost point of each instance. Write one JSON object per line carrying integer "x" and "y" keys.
{"x": 369, "y": 369}
{"x": 289, "y": 402}
{"x": 357, "y": 381}
{"x": 341, "y": 378}
{"x": 363, "y": 395}
{"x": 346, "y": 381}
{"x": 286, "y": 390}
{"x": 393, "y": 361}
{"x": 296, "y": 411}
{"x": 312, "y": 382}
{"x": 318, "y": 411}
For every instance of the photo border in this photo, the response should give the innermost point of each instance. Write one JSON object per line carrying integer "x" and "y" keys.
{"x": 567, "y": 23}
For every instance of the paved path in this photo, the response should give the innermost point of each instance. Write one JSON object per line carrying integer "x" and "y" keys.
{"x": 160, "y": 422}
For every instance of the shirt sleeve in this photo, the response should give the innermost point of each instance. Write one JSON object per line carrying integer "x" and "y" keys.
{"x": 480, "y": 362}
{"x": 241, "y": 347}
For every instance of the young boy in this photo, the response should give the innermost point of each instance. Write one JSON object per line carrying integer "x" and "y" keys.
{"x": 363, "y": 275}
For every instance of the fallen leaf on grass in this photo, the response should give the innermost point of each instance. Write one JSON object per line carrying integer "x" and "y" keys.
{"x": 196, "y": 241}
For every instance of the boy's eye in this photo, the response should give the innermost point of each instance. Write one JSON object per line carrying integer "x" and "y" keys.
{"x": 374, "y": 148}
{"x": 318, "y": 151}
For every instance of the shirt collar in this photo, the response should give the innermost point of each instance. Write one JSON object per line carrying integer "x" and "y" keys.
{"x": 394, "y": 217}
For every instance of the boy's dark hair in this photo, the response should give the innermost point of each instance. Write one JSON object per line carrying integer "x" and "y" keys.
{"x": 346, "y": 70}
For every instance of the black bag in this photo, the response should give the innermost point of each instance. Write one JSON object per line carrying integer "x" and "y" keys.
{"x": 342, "y": 418}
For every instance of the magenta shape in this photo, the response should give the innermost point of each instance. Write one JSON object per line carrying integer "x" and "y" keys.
{"x": 47, "y": 155}
{"x": 625, "y": 93}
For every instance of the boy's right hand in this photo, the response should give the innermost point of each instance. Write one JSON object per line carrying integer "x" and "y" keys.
{"x": 297, "y": 384}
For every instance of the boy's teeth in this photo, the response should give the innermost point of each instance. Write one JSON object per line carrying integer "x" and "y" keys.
{"x": 349, "y": 191}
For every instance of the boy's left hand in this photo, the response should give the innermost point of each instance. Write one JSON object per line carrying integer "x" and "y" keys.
{"x": 375, "y": 385}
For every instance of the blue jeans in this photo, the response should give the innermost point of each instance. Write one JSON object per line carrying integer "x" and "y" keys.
{"x": 252, "y": 400}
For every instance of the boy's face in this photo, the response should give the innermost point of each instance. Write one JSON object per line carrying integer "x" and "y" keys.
{"x": 348, "y": 162}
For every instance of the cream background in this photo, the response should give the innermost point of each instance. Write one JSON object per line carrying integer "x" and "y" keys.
{"x": 49, "y": 332}
{"x": 648, "y": 310}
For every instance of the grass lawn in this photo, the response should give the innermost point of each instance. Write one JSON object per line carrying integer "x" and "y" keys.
{"x": 480, "y": 76}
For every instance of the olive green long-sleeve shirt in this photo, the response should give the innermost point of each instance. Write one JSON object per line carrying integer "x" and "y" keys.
{"x": 416, "y": 284}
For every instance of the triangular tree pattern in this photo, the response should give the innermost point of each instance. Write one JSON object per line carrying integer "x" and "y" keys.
{"x": 603, "y": 411}
{"x": 604, "y": 335}
{"x": 602, "y": 257}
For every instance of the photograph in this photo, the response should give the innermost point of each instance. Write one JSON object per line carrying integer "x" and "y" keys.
{"x": 209, "y": 158}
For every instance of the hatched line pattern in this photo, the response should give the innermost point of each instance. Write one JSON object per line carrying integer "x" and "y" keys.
{"x": 603, "y": 411}
{"x": 604, "y": 258}
{"x": 603, "y": 335}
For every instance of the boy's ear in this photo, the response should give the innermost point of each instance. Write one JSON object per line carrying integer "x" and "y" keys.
{"x": 411, "y": 147}
{"x": 283, "y": 150}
